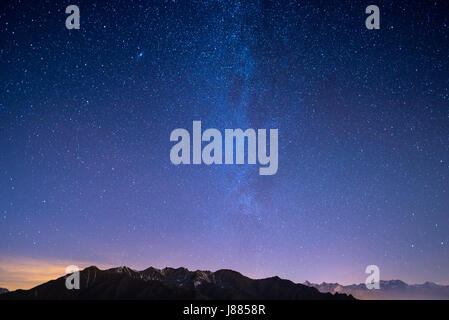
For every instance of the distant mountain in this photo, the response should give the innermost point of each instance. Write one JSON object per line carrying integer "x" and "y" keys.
{"x": 172, "y": 284}
{"x": 389, "y": 290}
{"x": 3, "y": 290}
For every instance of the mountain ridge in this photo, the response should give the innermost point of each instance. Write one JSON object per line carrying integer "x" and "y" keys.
{"x": 389, "y": 290}
{"x": 172, "y": 284}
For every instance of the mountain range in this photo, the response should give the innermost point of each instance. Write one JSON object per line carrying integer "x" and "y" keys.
{"x": 389, "y": 290}
{"x": 180, "y": 283}
{"x": 172, "y": 284}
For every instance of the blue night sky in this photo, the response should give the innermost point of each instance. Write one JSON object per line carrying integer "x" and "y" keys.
{"x": 363, "y": 119}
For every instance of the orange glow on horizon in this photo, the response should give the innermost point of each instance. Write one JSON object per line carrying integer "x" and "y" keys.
{"x": 26, "y": 273}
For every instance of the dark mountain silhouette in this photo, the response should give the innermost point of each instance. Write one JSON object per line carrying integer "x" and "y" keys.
{"x": 389, "y": 290}
{"x": 172, "y": 284}
{"x": 3, "y": 290}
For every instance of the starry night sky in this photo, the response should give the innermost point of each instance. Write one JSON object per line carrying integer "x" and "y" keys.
{"x": 363, "y": 119}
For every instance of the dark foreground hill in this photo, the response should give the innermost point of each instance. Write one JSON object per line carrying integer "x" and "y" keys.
{"x": 172, "y": 284}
